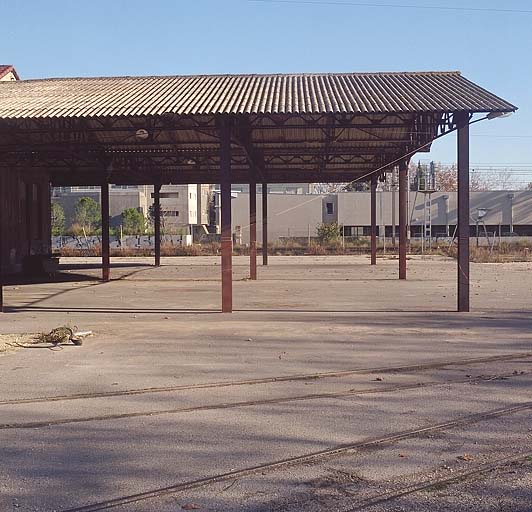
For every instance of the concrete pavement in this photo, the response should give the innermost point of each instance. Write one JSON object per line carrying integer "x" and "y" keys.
{"x": 218, "y": 407}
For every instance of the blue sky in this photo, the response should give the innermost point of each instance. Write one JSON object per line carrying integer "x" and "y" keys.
{"x": 142, "y": 37}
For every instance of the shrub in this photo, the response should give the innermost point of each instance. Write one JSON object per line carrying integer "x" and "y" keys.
{"x": 328, "y": 232}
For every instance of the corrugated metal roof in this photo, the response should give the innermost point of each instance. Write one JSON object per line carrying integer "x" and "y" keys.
{"x": 246, "y": 94}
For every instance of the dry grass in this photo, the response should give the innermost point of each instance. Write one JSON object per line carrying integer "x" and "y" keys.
{"x": 209, "y": 249}
{"x": 505, "y": 253}
{"x": 501, "y": 253}
{"x": 95, "y": 250}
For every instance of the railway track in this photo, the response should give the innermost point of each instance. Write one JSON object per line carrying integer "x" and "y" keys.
{"x": 267, "y": 401}
{"x": 268, "y": 380}
{"x": 438, "y": 482}
{"x": 335, "y": 451}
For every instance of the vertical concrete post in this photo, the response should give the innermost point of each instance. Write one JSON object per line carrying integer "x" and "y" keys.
{"x": 104, "y": 203}
{"x": 265, "y": 224}
{"x": 227, "y": 236}
{"x": 157, "y": 222}
{"x": 373, "y": 229}
{"x": 446, "y": 201}
{"x": 253, "y": 229}
{"x": 403, "y": 214}
{"x": 462, "y": 122}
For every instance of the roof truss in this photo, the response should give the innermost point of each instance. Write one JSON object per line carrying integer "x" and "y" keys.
{"x": 185, "y": 149}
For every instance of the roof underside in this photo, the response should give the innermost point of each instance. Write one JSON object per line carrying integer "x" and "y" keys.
{"x": 289, "y": 128}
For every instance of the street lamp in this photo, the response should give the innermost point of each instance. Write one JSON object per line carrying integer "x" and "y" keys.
{"x": 496, "y": 115}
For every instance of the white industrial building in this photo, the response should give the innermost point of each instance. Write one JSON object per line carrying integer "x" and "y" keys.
{"x": 509, "y": 212}
{"x": 184, "y": 208}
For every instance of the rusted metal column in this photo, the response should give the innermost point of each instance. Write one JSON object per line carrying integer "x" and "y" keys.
{"x": 1, "y": 280}
{"x": 104, "y": 202}
{"x": 253, "y": 231}
{"x": 1, "y": 272}
{"x": 227, "y": 236}
{"x": 403, "y": 193}
{"x": 373, "y": 232}
{"x": 157, "y": 222}
{"x": 2, "y": 246}
{"x": 462, "y": 122}
{"x": 393, "y": 212}
{"x": 265, "y": 224}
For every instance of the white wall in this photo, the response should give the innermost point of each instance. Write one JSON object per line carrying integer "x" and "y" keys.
{"x": 288, "y": 215}
{"x": 354, "y": 207}
{"x": 291, "y": 215}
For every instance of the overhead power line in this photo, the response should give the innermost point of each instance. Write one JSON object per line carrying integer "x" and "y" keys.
{"x": 398, "y": 6}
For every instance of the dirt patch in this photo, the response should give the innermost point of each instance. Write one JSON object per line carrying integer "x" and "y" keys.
{"x": 11, "y": 342}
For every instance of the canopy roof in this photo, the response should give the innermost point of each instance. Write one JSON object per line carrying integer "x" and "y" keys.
{"x": 247, "y": 94}
{"x": 288, "y": 128}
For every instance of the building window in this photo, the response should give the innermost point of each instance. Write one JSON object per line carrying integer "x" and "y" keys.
{"x": 167, "y": 195}
{"x": 330, "y": 208}
{"x": 171, "y": 213}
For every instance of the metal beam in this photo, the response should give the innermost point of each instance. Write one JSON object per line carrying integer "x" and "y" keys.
{"x": 104, "y": 203}
{"x": 227, "y": 236}
{"x": 265, "y": 224}
{"x": 403, "y": 214}
{"x": 462, "y": 121}
{"x": 157, "y": 222}
{"x": 252, "y": 229}
{"x": 373, "y": 232}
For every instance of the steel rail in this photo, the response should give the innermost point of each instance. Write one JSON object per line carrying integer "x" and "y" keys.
{"x": 266, "y": 401}
{"x": 301, "y": 459}
{"x": 423, "y": 486}
{"x": 268, "y": 380}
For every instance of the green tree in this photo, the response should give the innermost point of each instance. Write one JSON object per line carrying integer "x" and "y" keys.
{"x": 133, "y": 222}
{"x": 328, "y": 232}
{"x": 151, "y": 218}
{"x": 57, "y": 219}
{"x": 87, "y": 214}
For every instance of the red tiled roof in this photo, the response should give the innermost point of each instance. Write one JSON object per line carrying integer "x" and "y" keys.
{"x": 8, "y": 68}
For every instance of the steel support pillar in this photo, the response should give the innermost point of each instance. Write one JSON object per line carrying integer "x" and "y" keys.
{"x": 393, "y": 216}
{"x": 227, "y": 236}
{"x": 462, "y": 122}
{"x": 265, "y": 224}
{"x": 157, "y": 222}
{"x": 1, "y": 277}
{"x": 403, "y": 214}
{"x": 253, "y": 230}
{"x": 373, "y": 229}
{"x": 104, "y": 203}
{"x": 2, "y": 248}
